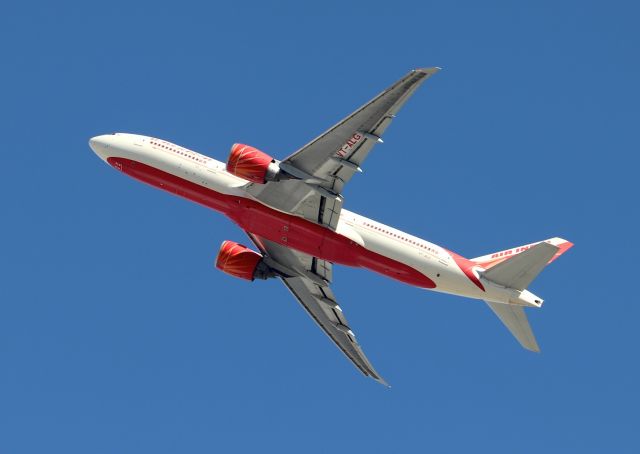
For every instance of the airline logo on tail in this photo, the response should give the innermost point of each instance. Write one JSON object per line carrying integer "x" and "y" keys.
{"x": 489, "y": 260}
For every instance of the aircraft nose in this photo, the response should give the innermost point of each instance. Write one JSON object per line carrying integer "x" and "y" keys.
{"x": 100, "y": 144}
{"x": 95, "y": 143}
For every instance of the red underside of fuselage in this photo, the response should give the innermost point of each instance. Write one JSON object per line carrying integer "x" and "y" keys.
{"x": 282, "y": 228}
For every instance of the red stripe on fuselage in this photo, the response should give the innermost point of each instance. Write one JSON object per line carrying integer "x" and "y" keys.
{"x": 466, "y": 266}
{"x": 281, "y": 228}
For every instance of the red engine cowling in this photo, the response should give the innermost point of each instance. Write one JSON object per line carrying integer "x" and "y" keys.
{"x": 238, "y": 260}
{"x": 251, "y": 164}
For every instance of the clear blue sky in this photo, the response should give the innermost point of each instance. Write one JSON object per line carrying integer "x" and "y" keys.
{"x": 118, "y": 335}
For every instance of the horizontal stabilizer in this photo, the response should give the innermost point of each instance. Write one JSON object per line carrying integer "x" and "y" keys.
{"x": 518, "y": 271}
{"x": 515, "y": 319}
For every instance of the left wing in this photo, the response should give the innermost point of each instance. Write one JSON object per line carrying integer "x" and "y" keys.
{"x": 324, "y": 165}
{"x": 308, "y": 280}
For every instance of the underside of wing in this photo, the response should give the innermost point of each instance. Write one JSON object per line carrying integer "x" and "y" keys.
{"x": 341, "y": 149}
{"x": 308, "y": 279}
{"x": 323, "y": 166}
{"x": 321, "y": 305}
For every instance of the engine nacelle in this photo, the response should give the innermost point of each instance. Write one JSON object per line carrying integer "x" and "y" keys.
{"x": 252, "y": 164}
{"x": 240, "y": 261}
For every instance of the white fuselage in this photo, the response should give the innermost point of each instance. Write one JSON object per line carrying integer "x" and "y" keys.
{"x": 449, "y": 272}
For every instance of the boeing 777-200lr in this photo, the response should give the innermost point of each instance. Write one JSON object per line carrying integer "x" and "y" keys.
{"x": 291, "y": 209}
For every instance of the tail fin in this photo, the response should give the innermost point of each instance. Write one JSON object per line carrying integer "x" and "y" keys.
{"x": 491, "y": 260}
{"x": 516, "y": 269}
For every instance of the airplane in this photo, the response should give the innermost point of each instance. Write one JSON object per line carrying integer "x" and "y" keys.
{"x": 291, "y": 210}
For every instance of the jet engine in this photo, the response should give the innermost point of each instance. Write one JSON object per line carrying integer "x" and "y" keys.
{"x": 240, "y": 261}
{"x": 252, "y": 164}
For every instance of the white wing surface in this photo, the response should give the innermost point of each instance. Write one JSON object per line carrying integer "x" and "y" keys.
{"x": 308, "y": 279}
{"x": 329, "y": 161}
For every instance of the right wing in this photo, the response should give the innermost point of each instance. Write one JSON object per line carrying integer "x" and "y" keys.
{"x": 308, "y": 278}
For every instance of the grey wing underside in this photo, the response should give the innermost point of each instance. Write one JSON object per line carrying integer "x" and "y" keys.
{"x": 308, "y": 279}
{"x": 331, "y": 159}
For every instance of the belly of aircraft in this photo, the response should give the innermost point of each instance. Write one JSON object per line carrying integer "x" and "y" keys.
{"x": 273, "y": 225}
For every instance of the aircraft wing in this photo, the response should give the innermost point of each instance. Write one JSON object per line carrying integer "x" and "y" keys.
{"x": 308, "y": 280}
{"x": 328, "y": 162}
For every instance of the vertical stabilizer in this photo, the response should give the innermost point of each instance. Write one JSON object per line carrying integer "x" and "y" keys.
{"x": 491, "y": 260}
{"x": 515, "y": 269}
{"x": 518, "y": 271}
